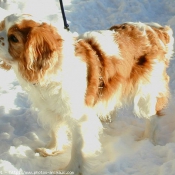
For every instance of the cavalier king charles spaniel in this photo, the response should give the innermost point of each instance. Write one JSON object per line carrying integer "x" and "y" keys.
{"x": 80, "y": 82}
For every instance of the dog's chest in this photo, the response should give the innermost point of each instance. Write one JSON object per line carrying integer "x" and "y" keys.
{"x": 49, "y": 98}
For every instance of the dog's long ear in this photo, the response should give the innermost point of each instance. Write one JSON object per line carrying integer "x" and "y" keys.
{"x": 41, "y": 52}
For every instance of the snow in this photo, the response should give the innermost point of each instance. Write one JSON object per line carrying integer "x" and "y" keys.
{"x": 124, "y": 153}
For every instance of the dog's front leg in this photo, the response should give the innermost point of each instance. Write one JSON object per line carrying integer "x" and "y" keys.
{"x": 86, "y": 144}
{"x": 56, "y": 145}
{"x": 51, "y": 149}
{"x": 76, "y": 161}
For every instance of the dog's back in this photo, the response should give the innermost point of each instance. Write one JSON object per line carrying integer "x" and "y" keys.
{"x": 127, "y": 64}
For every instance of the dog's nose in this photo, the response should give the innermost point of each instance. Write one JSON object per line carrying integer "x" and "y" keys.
{"x": 1, "y": 41}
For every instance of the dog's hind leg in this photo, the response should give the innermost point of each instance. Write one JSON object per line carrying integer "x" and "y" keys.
{"x": 76, "y": 162}
{"x": 152, "y": 122}
{"x": 150, "y": 128}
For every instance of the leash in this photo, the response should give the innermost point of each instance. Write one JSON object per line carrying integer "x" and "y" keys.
{"x": 66, "y": 25}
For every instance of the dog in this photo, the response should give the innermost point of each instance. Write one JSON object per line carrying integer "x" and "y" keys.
{"x": 82, "y": 81}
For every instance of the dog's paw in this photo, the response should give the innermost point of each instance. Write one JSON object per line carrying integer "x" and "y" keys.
{"x": 44, "y": 152}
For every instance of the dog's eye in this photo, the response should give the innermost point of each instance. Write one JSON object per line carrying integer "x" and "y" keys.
{"x": 13, "y": 39}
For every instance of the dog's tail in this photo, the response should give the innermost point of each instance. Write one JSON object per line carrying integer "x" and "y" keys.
{"x": 165, "y": 35}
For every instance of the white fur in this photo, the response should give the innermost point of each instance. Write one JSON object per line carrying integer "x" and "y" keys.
{"x": 4, "y": 50}
{"x": 103, "y": 37}
{"x": 170, "y": 45}
{"x": 17, "y": 19}
{"x": 148, "y": 91}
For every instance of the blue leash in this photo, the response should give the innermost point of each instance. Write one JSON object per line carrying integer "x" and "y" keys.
{"x": 66, "y": 25}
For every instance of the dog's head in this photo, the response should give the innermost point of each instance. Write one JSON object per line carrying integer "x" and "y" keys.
{"x": 34, "y": 46}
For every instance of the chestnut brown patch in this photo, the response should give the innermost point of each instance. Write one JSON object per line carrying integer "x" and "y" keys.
{"x": 137, "y": 56}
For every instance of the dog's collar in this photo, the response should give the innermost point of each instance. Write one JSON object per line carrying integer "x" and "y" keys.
{"x": 101, "y": 80}
{"x": 100, "y": 86}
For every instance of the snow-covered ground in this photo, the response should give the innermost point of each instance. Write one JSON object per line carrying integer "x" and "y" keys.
{"x": 123, "y": 154}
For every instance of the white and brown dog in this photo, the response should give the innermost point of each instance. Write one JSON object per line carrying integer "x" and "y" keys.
{"x": 79, "y": 82}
